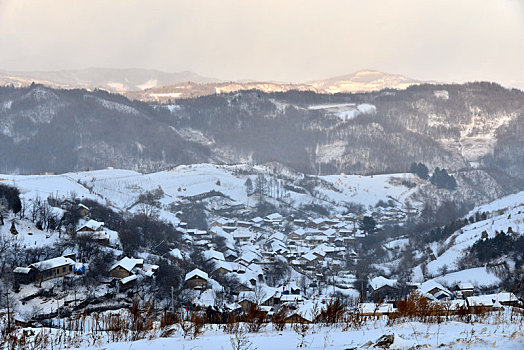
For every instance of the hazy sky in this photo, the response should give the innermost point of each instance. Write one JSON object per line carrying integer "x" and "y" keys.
{"x": 286, "y": 40}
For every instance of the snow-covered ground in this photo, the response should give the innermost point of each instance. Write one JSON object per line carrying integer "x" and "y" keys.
{"x": 121, "y": 188}
{"x": 346, "y": 111}
{"x": 494, "y": 332}
{"x": 502, "y": 214}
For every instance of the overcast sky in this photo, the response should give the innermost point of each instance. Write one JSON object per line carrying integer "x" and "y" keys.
{"x": 446, "y": 40}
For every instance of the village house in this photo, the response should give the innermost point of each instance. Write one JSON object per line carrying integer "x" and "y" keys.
{"x": 196, "y": 279}
{"x": 257, "y": 221}
{"x": 435, "y": 291}
{"x": 383, "y": 288}
{"x": 123, "y": 267}
{"x": 94, "y": 230}
{"x": 47, "y": 269}
{"x": 241, "y": 237}
{"x": 301, "y": 312}
{"x": 244, "y": 224}
{"x": 491, "y": 302}
{"x": 464, "y": 290}
{"x": 299, "y": 234}
{"x": 221, "y": 267}
{"x": 274, "y": 218}
{"x": 309, "y": 260}
{"x": 24, "y": 275}
{"x": 213, "y": 256}
{"x": 91, "y": 226}
{"x": 375, "y": 309}
{"x": 127, "y": 283}
{"x": 245, "y": 299}
{"x": 230, "y": 255}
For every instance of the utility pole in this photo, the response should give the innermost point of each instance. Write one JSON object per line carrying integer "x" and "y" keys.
{"x": 58, "y": 312}
{"x": 8, "y": 311}
{"x": 172, "y": 301}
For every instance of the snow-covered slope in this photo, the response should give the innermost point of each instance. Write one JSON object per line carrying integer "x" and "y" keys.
{"x": 121, "y": 188}
{"x": 503, "y": 215}
{"x": 364, "y": 81}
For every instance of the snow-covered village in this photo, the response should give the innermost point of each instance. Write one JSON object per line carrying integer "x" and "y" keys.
{"x": 235, "y": 252}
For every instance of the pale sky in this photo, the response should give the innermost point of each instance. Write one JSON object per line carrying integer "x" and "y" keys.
{"x": 284, "y": 40}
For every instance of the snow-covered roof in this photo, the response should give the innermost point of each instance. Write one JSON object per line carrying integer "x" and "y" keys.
{"x": 213, "y": 254}
{"x": 318, "y": 221}
{"x": 465, "y": 285}
{"x": 274, "y": 217}
{"x": 93, "y": 224}
{"x": 431, "y": 284}
{"x": 317, "y": 238}
{"x": 381, "y": 281}
{"x": 241, "y": 235}
{"x": 278, "y": 235}
{"x": 196, "y": 272}
{"x": 290, "y": 298}
{"x": 127, "y": 264}
{"x": 222, "y": 265}
{"x": 300, "y": 232}
{"x": 257, "y": 220}
{"x": 246, "y": 295}
{"x": 248, "y": 256}
{"x": 222, "y": 221}
{"x": 305, "y": 310}
{"x": 176, "y": 253}
{"x": 256, "y": 269}
{"x": 371, "y": 308}
{"x": 491, "y": 299}
{"x": 24, "y": 270}
{"x": 230, "y": 252}
{"x": 310, "y": 256}
{"x": 329, "y": 232}
{"x": 52, "y": 263}
{"x": 128, "y": 279}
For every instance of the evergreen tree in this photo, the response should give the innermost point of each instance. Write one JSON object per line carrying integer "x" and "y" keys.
{"x": 368, "y": 224}
{"x": 442, "y": 179}
{"x": 420, "y": 170}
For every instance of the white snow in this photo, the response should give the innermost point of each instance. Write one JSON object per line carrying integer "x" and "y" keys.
{"x": 346, "y": 111}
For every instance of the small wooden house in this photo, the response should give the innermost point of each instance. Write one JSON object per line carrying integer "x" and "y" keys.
{"x": 196, "y": 279}
{"x": 52, "y": 268}
{"x": 123, "y": 267}
{"x": 24, "y": 275}
{"x": 127, "y": 282}
{"x": 465, "y": 288}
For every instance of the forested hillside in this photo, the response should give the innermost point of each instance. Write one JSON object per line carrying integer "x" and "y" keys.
{"x": 456, "y": 127}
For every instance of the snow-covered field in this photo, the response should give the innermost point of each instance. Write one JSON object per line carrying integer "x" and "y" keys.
{"x": 346, "y": 111}
{"x": 121, "y": 188}
{"x": 496, "y": 331}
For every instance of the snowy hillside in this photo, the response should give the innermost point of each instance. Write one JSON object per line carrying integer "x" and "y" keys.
{"x": 505, "y": 215}
{"x": 121, "y": 188}
{"x": 364, "y": 81}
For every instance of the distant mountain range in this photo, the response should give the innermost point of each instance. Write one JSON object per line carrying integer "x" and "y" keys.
{"x": 157, "y": 86}
{"x": 473, "y": 129}
{"x": 364, "y": 81}
{"x": 116, "y": 80}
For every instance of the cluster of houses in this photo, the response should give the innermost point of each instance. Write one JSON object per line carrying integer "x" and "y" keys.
{"x": 313, "y": 248}
{"x": 312, "y": 244}
{"x": 126, "y": 271}
{"x": 251, "y": 251}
